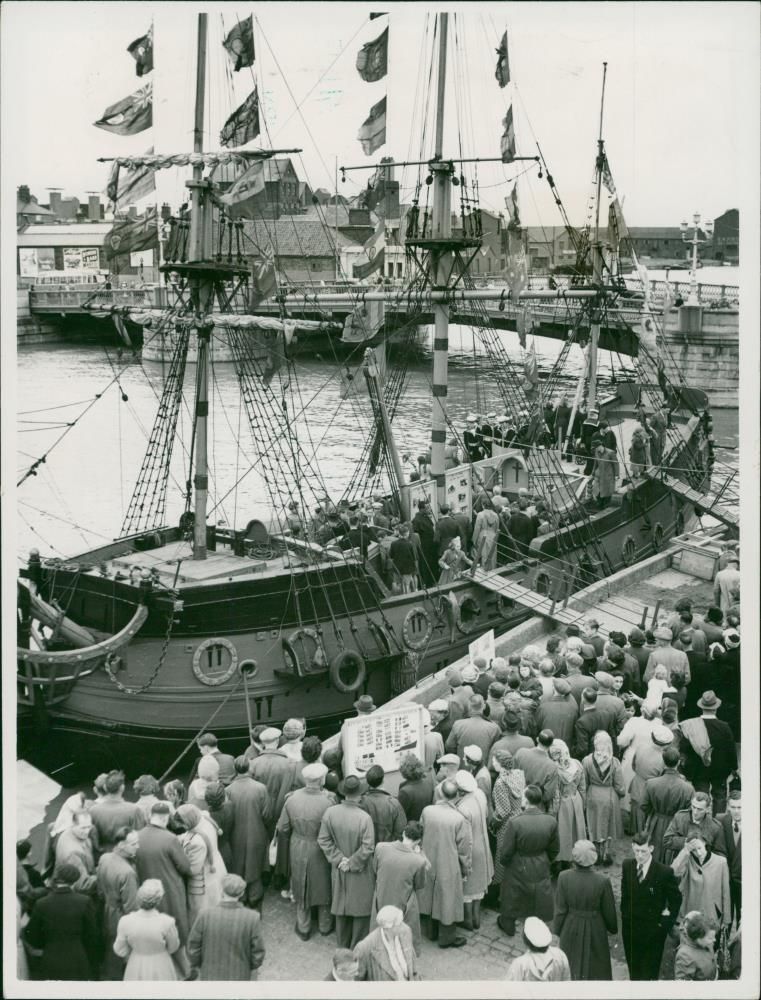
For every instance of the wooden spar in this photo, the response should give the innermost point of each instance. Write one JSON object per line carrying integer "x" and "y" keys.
{"x": 442, "y": 229}
{"x": 199, "y": 232}
{"x": 594, "y": 333}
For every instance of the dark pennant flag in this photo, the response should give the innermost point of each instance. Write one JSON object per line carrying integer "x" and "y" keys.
{"x": 372, "y": 132}
{"x": 372, "y": 58}
{"x": 508, "y": 137}
{"x": 131, "y": 115}
{"x": 128, "y": 235}
{"x": 502, "y": 72}
{"x": 378, "y": 13}
{"x": 240, "y": 44}
{"x": 141, "y": 51}
{"x": 243, "y": 124}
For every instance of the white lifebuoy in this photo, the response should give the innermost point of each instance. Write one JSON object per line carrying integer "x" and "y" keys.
{"x": 421, "y": 640}
{"x": 215, "y": 680}
{"x": 347, "y": 658}
{"x": 629, "y": 550}
{"x": 658, "y": 536}
{"x": 318, "y": 661}
{"x": 467, "y": 627}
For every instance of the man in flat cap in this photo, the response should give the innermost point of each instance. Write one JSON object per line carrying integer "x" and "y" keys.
{"x": 541, "y": 963}
{"x": 251, "y": 830}
{"x": 347, "y": 839}
{"x": 298, "y": 827}
{"x": 275, "y": 771}
{"x": 674, "y": 660}
{"x": 441, "y": 720}
{"x": 647, "y": 763}
{"x": 609, "y": 704}
{"x": 448, "y": 845}
{"x": 225, "y": 942}
{"x": 475, "y": 729}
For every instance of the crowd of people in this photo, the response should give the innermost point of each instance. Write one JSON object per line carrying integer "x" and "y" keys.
{"x": 534, "y": 769}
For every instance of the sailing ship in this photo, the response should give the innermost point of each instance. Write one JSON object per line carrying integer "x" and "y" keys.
{"x": 135, "y": 647}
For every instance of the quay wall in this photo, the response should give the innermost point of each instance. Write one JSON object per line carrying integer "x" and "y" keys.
{"x": 705, "y": 346}
{"x": 35, "y": 329}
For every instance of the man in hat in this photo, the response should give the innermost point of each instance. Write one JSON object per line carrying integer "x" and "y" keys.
{"x": 637, "y": 649}
{"x": 650, "y": 902}
{"x": 275, "y": 771}
{"x": 693, "y": 822}
{"x": 726, "y": 584}
{"x": 448, "y": 845}
{"x": 441, "y": 719}
{"x": 664, "y": 796}
{"x": 209, "y": 747}
{"x": 364, "y": 705}
{"x": 538, "y": 769}
{"x": 609, "y": 704}
{"x": 382, "y": 807}
{"x": 647, "y": 763}
{"x": 512, "y": 739}
{"x": 423, "y": 526}
{"x": 401, "y": 870}
{"x": 475, "y": 729}
{"x": 297, "y": 829}
{"x": 674, "y": 660}
{"x": 471, "y": 439}
{"x": 484, "y": 677}
{"x": 447, "y": 768}
{"x": 473, "y": 763}
{"x": 560, "y": 712}
{"x": 225, "y": 943}
{"x": 251, "y": 829}
{"x": 347, "y": 840}
{"x": 529, "y": 847}
{"x": 542, "y": 962}
{"x": 494, "y": 702}
{"x": 446, "y": 529}
{"x": 710, "y": 751}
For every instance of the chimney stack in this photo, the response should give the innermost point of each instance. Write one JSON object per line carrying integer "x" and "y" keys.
{"x": 55, "y": 202}
{"x": 93, "y": 208}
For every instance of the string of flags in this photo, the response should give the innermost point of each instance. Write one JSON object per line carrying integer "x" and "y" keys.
{"x": 372, "y": 65}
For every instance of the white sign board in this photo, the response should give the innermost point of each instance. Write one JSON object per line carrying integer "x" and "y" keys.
{"x": 138, "y": 257}
{"x": 27, "y": 261}
{"x": 382, "y": 737}
{"x": 483, "y": 646}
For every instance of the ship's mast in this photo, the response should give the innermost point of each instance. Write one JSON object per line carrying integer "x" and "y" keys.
{"x": 201, "y": 290}
{"x": 596, "y": 259}
{"x": 440, "y": 268}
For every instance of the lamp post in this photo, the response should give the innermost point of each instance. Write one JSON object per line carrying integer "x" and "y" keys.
{"x": 695, "y": 242}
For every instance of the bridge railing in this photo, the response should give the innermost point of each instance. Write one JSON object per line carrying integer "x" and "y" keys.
{"x": 65, "y": 298}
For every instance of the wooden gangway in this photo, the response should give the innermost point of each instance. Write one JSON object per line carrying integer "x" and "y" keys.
{"x": 709, "y": 502}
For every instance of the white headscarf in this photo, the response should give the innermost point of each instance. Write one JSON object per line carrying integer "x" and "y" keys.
{"x": 388, "y": 919}
{"x": 65, "y": 818}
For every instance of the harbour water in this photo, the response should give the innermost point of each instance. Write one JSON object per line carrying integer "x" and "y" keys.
{"x": 79, "y": 496}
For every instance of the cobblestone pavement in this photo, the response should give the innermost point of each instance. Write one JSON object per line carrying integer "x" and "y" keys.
{"x": 486, "y": 956}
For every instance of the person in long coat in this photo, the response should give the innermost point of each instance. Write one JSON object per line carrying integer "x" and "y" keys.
{"x": 63, "y": 930}
{"x": 225, "y": 943}
{"x": 704, "y": 881}
{"x": 148, "y": 938}
{"x": 117, "y": 886}
{"x": 401, "y": 870}
{"x": 204, "y": 887}
{"x": 416, "y": 791}
{"x": 250, "y": 835}
{"x": 559, "y": 712}
{"x": 571, "y": 793}
{"x": 347, "y": 841}
{"x": 635, "y": 734}
{"x": 585, "y": 913}
{"x": 647, "y": 763}
{"x": 471, "y": 802}
{"x": 605, "y": 474}
{"x": 387, "y": 954}
{"x": 422, "y": 524}
{"x": 160, "y": 856}
{"x": 276, "y": 772}
{"x": 530, "y": 847}
{"x": 297, "y": 832}
{"x": 447, "y": 844}
{"x": 605, "y": 789}
{"x": 507, "y": 801}
{"x": 485, "y": 535}
{"x": 220, "y": 811}
{"x": 664, "y": 796}
{"x": 539, "y": 769}
{"x": 382, "y": 807}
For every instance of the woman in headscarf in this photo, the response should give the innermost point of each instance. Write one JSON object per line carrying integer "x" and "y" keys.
{"x": 220, "y": 811}
{"x": 585, "y": 913}
{"x": 387, "y": 954}
{"x": 453, "y": 561}
{"x": 199, "y": 842}
{"x": 571, "y": 793}
{"x": 605, "y": 789}
{"x": 147, "y": 938}
{"x": 506, "y": 797}
{"x": 471, "y": 802}
{"x": 208, "y": 773}
{"x": 63, "y": 821}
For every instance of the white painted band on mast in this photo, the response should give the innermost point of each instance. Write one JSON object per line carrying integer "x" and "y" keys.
{"x": 442, "y": 229}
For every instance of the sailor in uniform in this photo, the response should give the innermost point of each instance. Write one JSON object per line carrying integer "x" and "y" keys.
{"x": 487, "y": 434}
{"x": 471, "y": 439}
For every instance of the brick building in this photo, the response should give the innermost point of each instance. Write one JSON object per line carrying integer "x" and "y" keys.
{"x": 726, "y": 237}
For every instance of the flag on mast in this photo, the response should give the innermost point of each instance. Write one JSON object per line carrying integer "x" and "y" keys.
{"x": 607, "y": 176}
{"x": 240, "y": 198}
{"x": 141, "y": 51}
{"x": 375, "y": 248}
{"x": 511, "y": 204}
{"x": 372, "y": 134}
{"x": 530, "y": 366}
{"x": 243, "y": 124}
{"x": 129, "y": 116}
{"x": 240, "y": 44}
{"x": 128, "y": 235}
{"x": 502, "y": 72}
{"x": 263, "y": 278}
{"x": 508, "y": 137}
{"x": 372, "y": 58}
{"x": 132, "y": 185}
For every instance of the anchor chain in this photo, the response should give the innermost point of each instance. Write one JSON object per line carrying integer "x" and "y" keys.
{"x": 124, "y": 688}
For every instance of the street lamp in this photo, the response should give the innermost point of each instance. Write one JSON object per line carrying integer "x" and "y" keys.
{"x": 695, "y": 242}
